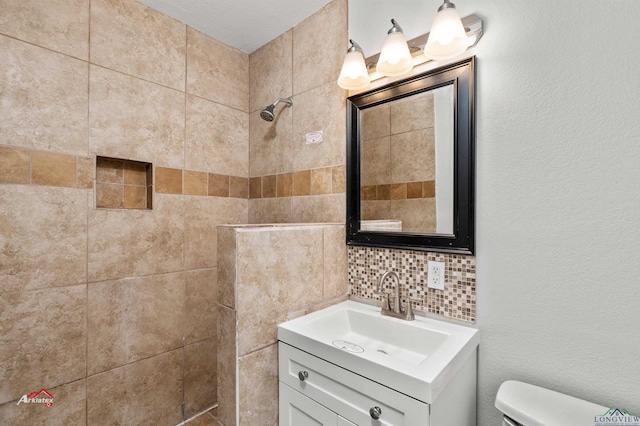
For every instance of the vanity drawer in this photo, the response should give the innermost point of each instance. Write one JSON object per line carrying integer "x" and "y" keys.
{"x": 347, "y": 394}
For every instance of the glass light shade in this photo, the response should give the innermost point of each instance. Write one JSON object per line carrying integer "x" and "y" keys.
{"x": 447, "y": 37}
{"x": 354, "y": 74}
{"x": 395, "y": 58}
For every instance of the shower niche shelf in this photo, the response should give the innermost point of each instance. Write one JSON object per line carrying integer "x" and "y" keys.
{"x": 123, "y": 184}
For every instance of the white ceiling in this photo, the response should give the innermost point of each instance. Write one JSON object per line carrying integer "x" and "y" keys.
{"x": 243, "y": 24}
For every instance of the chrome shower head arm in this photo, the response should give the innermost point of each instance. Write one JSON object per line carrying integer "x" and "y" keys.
{"x": 288, "y": 101}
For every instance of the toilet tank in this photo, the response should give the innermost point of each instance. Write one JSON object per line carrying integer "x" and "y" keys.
{"x": 531, "y": 405}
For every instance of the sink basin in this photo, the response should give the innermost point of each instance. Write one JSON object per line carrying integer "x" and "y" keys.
{"x": 417, "y": 358}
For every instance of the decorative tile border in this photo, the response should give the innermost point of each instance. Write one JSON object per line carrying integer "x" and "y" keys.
{"x": 321, "y": 181}
{"x": 399, "y": 191}
{"x": 25, "y": 166}
{"x": 457, "y": 300}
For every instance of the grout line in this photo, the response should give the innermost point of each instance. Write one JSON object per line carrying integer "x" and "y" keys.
{"x": 90, "y": 206}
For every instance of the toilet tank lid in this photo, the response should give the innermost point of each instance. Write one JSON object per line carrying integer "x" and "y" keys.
{"x": 535, "y": 406}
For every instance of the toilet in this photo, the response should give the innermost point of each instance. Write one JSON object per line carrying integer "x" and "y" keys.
{"x": 523, "y": 404}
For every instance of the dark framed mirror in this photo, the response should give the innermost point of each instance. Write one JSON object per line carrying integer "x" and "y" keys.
{"x": 411, "y": 165}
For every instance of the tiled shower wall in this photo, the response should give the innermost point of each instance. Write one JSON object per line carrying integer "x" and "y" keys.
{"x": 113, "y": 311}
{"x": 302, "y": 183}
{"x": 261, "y": 285}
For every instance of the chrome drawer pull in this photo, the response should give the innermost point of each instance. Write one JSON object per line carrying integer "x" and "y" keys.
{"x": 302, "y": 375}
{"x": 375, "y": 413}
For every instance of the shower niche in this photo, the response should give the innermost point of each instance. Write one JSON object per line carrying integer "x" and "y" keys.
{"x": 123, "y": 184}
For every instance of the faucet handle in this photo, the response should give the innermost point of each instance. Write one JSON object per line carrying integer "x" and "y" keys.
{"x": 386, "y": 305}
{"x": 410, "y": 314}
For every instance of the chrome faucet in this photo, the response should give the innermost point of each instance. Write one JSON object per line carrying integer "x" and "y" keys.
{"x": 397, "y": 308}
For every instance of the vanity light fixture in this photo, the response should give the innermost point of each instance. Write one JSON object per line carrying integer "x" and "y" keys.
{"x": 354, "y": 74}
{"x": 447, "y": 38}
{"x": 395, "y": 57}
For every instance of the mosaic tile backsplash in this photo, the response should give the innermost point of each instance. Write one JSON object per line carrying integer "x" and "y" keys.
{"x": 456, "y": 301}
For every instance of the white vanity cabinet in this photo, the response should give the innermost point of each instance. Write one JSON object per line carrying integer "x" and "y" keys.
{"x": 316, "y": 392}
{"x": 348, "y": 364}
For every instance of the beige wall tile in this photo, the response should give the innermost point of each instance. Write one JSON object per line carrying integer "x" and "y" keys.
{"x": 269, "y": 186}
{"x": 302, "y": 182}
{"x": 60, "y": 25}
{"x": 227, "y": 266}
{"x": 398, "y": 191}
{"x": 201, "y": 297}
{"x": 202, "y": 217}
{"x": 109, "y": 170}
{"x": 135, "y": 173}
{"x": 319, "y": 109}
{"x": 258, "y": 384}
{"x": 168, "y": 180}
{"x": 383, "y": 192}
{"x": 195, "y": 183}
{"x": 325, "y": 30}
{"x": 200, "y": 376}
{"x": 125, "y": 243}
{"x": 335, "y": 262}
{"x": 226, "y": 412}
{"x": 109, "y": 196}
{"x": 414, "y": 189}
{"x": 320, "y": 208}
{"x": 284, "y": 185}
{"x": 44, "y": 99}
{"x": 255, "y": 187}
{"x": 375, "y": 210}
{"x": 238, "y": 187}
{"x": 14, "y": 165}
{"x": 271, "y": 70}
{"x": 429, "y": 189}
{"x": 271, "y": 210}
{"x": 417, "y": 215}
{"x": 217, "y": 138}
{"x": 369, "y": 192}
{"x": 118, "y": 397}
{"x": 412, "y": 113}
{"x": 413, "y": 156}
{"x": 216, "y": 71}
{"x": 270, "y": 275}
{"x": 218, "y": 185}
{"x": 43, "y": 339}
{"x": 375, "y": 159}
{"x": 53, "y": 169}
{"x": 133, "y": 318}
{"x": 339, "y": 180}
{"x": 376, "y": 122}
{"x": 135, "y": 119}
{"x": 321, "y": 180}
{"x": 43, "y": 242}
{"x": 135, "y": 39}
{"x": 70, "y": 412}
{"x": 85, "y": 172}
{"x": 270, "y": 143}
{"x": 135, "y": 197}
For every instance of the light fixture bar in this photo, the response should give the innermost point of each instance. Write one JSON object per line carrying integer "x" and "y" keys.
{"x": 473, "y": 26}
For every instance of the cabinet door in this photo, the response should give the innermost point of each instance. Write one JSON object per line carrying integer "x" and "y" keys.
{"x": 344, "y": 422}
{"x": 298, "y": 410}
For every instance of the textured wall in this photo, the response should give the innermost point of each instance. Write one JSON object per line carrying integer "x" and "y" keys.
{"x": 113, "y": 311}
{"x": 557, "y": 198}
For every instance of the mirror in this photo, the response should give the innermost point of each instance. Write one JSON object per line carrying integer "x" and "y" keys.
{"x": 410, "y": 164}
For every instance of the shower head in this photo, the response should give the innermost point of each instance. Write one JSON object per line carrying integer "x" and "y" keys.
{"x": 267, "y": 112}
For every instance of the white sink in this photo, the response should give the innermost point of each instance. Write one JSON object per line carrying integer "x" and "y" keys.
{"x": 417, "y": 358}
